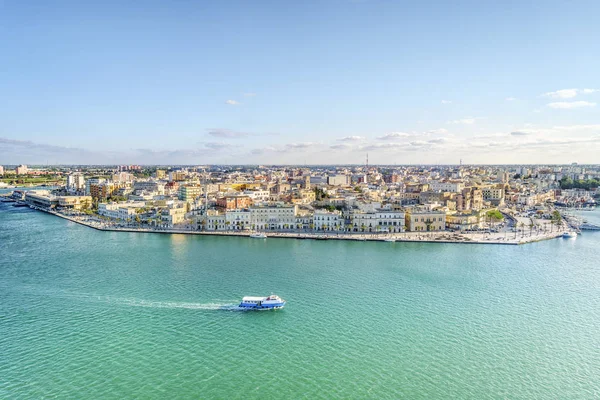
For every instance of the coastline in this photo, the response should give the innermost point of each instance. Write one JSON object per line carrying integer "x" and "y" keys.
{"x": 406, "y": 237}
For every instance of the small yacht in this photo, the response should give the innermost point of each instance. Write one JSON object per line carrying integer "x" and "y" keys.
{"x": 389, "y": 239}
{"x": 570, "y": 235}
{"x": 272, "y": 302}
{"x": 257, "y": 235}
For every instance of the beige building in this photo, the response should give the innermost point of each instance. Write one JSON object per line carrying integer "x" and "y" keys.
{"x": 462, "y": 222}
{"x": 426, "y": 221}
{"x": 75, "y": 202}
{"x": 173, "y": 216}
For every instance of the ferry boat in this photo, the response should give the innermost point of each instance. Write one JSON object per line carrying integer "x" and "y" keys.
{"x": 272, "y": 302}
{"x": 570, "y": 235}
{"x": 258, "y": 235}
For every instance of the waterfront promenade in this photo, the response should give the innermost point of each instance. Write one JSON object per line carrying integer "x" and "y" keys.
{"x": 502, "y": 238}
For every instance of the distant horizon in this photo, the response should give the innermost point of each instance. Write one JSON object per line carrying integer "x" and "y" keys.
{"x": 302, "y": 165}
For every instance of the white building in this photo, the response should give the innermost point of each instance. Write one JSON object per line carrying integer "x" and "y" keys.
{"x": 1, "y": 170}
{"x": 338, "y": 180}
{"x": 237, "y": 220}
{"x": 75, "y": 182}
{"x": 327, "y": 220}
{"x": 438, "y": 186}
{"x": 273, "y": 217}
{"x": 257, "y": 195}
{"x": 22, "y": 169}
{"x": 377, "y": 221}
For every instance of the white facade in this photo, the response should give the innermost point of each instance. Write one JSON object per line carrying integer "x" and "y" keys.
{"x": 273, "y": 218}
{"x": 338, "y": 180}
{"x": 446, "y": 186}
{"x": 238, "y": 220}
{"x": 75, "y": 181}
{"x": 257, "y": 195}
{"x": 377, "y": 221}
{"x": 327, "y": 220}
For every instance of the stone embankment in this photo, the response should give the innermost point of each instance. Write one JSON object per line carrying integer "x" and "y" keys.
{"x": 504, "y": 238}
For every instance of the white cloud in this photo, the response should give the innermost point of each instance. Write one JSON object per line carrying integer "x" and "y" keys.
{"x": 510, "y": 98}
{"x": 464, "y": 121}
{"x": 567, "y": 105}
{"x": 353, "y": 138}
{"x": 446, "y": 101}
{"x": 232, "y": 102}
{"x": 393, "y": 135}
{"x": 568, "y": 93}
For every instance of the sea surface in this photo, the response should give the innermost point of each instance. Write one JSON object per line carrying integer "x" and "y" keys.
{"x": 86, "y": 314}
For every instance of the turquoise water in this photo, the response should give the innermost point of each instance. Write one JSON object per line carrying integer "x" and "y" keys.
{"x": 90, "y": 314}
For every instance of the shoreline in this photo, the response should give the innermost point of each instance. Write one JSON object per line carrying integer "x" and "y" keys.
{"x": 405, "y": 237}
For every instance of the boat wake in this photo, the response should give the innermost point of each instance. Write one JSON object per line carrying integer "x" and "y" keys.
{"x": 132, "y": 302}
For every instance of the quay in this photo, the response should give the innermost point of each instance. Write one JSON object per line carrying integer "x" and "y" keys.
{"x": 408, "y": 237}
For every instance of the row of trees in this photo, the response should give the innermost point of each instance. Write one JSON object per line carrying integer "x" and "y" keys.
{"x": 588, "y": 184}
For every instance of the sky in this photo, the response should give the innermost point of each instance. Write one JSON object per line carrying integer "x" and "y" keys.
{"x": 299, "y": 82}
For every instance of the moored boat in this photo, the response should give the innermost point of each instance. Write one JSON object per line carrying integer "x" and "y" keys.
{"x": 271, "y": 302}
{"x": 570, "y": 235}
{"x": 258, "y": 235}
{"x": 390, "y": 239}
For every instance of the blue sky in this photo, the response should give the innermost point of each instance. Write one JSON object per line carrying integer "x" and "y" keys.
{"x": 197, "y": 82}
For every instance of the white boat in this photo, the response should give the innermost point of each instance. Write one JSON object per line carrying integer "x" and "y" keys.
{"x": 272, "y": 302}
{"x": 258, "y": 235}
{"x": 389, "y": 239}
{"x": 570, "y": 235}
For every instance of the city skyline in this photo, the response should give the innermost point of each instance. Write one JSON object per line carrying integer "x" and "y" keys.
{"x": 299, "y": 83}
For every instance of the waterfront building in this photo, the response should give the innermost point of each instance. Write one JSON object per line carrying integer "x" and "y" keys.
{"x": 213, "y": 221}
{"x": 238, "y": 220}
{"x": 173, "y": 216}
{"x": 465, "y": 221}
{"x": 327, "y": 220}
{"x": 75, "y": 202}
{"x": 41, "y": 198}
{"x": 425, "y": 221}
{"x": 1, "y": 170}
{"x": 276, "y": 217}
{"x": 376, "y": 221}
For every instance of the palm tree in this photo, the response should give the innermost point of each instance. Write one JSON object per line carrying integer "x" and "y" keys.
{"x": 522, "y": 226}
